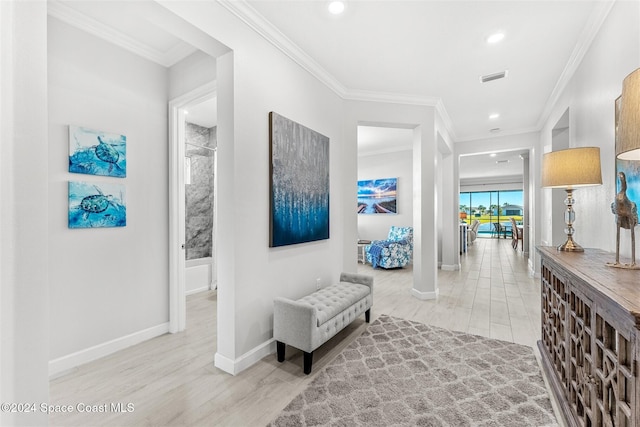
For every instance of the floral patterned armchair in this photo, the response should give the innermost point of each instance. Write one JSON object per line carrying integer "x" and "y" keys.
{"x": 394, "y": 252}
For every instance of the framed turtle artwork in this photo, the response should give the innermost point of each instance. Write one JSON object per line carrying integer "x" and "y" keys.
{"x": 94, "y": 205}
{"x": 96, "y": 152}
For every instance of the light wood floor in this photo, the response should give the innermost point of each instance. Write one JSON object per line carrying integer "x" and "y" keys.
{"x": 171, "y": 380}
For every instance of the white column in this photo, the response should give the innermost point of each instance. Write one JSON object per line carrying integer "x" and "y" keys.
{"x": 24, "y": 157}
{"x": 450, "y": 221}
{"x": 226, "y": 251}
{"x": 425, "y": 261}
{"x": 526, "y": 186}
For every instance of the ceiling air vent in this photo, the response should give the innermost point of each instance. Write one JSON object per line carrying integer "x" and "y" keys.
{"x": 494, "y": 76}
{"x": 502, "y": 162}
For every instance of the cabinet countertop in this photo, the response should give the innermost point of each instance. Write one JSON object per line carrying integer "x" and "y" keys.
{"x": 620, "y": 285}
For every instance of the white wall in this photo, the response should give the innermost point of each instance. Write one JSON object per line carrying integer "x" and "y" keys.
{"x": 493, "y": 183}
{"x": 245, "y": 333}
{"x": 194, "y": 71}
{"x": 553, "y": 198}
{"x": 282, "y": 86}
{"x": 112, "y": 282}
{"x": 428, "y": 133}
{"x": 439, "y": 202}
{"x": 24, "y": 290}
{"x": 388, "y": 165}
{"x": 590, "y": 96}
{"x": 525, "y": 142}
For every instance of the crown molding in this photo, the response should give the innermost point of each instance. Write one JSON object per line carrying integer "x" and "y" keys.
{"x": 446, "y": 120}
{"x": 589, "y": 32}
{"x": 393, "y": 98}
{"x": 83, "y": 22}
{"x": 270, "y": 33}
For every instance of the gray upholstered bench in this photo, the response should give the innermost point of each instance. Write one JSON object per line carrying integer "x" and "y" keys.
{"x": 311, "y": 321}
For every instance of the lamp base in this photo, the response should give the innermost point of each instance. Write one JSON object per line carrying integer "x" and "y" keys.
{"x": 570, "y": 246}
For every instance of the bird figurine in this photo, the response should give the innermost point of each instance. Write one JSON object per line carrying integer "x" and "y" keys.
{"x": 626, "y": 213}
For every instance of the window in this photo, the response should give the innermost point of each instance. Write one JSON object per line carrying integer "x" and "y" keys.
{"x": 493, "y": 209}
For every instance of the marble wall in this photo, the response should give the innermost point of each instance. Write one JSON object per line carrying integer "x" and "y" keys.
{"x": 200, "y": 192}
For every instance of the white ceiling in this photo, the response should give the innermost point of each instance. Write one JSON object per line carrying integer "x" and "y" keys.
{"x": 128, "y": 24}
{"x": 491, "y": 165}
{"x": 428, "y": 52}
{"x": 374, "y": 140}
{"x": 204, "y": 114}
{"x": 380, "y": 140}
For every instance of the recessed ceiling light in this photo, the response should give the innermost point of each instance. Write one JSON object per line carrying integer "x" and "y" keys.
{"x": 494, "y": 116}
{"x": 495, "y": 38}
{"x": 492, "y": 155}
{"x": 336, "y": 7}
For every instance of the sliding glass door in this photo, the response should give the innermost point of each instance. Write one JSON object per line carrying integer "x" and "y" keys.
{"x": 493, "y": 209}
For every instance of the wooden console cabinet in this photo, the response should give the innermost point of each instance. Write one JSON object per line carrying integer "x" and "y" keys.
{"x": 590, "y": 342}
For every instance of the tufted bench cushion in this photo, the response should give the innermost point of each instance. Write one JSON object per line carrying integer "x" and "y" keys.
{"x": 312, "y": 320}
{"x": 334, "y": 299}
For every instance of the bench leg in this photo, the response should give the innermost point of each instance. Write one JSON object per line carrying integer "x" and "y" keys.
{"x": 308, "y": 360}
{"x": 280, "y": 350}
{"x": 367, "y": 315}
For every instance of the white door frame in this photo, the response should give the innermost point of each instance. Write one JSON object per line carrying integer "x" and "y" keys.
{"x": 177, "y": 297}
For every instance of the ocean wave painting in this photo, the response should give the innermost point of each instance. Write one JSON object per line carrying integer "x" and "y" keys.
{"x": 93, "y": 205}
{"x": 95, "y": 152}
{"x": 299, "y": 183}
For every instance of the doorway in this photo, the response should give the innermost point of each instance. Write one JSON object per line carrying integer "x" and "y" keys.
{"x": 193, "y": 167}
{"x": 200, "y": 163}
{"x": 385, "y": 153}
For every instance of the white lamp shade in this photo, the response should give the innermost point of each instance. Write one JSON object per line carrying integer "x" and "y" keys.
{"x": 628, "y": 138}
{"x": 572, "y": 168}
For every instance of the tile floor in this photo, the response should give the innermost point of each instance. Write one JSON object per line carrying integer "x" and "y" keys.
{"x": 171, "y": 380}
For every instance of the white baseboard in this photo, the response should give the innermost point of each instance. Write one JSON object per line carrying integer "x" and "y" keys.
{"x": 424, "y": 295}
{"x": 532, "y": 270}
{"x": 195, "y": 291}
{"x": 251, "y": 357}
{"x": 224, "y": 363}
{"x": 62, "y": 365}
{"x": 453, "y": 267}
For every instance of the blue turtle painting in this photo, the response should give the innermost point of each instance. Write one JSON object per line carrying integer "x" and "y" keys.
{"x": 97, "y": 153}
{"x": 92, "y": 205}
{"x": 107, "y": 153}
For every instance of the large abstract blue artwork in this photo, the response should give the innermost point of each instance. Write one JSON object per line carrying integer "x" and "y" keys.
{"x": 96, "y": 205}
{"x": 95, "y": 152}
{"x": 299, "y": 183}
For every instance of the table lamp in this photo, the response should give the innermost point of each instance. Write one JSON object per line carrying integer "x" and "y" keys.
{"x": 627, "y": 148}
{"x": 570, "y": 169}
{"x": 628, "y": 137}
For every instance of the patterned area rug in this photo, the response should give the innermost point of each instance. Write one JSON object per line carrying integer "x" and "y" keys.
{"x": 405, "y": 373}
